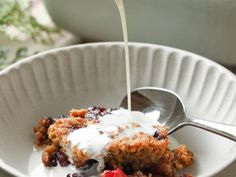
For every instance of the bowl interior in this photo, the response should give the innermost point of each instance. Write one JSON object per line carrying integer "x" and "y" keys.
{"x": 52, "y": 83}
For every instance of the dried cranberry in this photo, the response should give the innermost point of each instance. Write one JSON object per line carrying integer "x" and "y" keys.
{"x": 63, "y": 159}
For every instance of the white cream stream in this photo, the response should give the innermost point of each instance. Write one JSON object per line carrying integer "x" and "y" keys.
{"x": 121, "y": 7}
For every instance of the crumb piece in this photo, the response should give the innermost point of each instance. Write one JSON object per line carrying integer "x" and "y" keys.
{"x": 139, "y": 174}
{"x": 79, "y": 157}
{"x": 101, "y": 132}
{"x": 60, "y": 129}
{"x": 121, "y": 128}
{"x": 49, "y": 157}
{"x": 165, "y": 165}
{"x": 134, "y": 125}
{"x": 41, "y": 136}
{"x": 183, "y": 157}
{"x": 113, "y": 134}
{"x": 78, "y": 112}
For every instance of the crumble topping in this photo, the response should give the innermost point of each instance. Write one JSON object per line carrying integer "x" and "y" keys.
{"x": 108, "y": 139}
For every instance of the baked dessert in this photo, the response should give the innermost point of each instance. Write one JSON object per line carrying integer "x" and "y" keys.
{"x": 110, "y": 143}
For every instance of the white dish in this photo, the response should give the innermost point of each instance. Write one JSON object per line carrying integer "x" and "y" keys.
{"x": 53, "y": 82}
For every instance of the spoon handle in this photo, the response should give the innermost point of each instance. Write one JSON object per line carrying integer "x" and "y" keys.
{"x": 228, "y": 131}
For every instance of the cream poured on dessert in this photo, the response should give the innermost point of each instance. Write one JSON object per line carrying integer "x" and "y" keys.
{"x": 94, "y": 138}
{"x": 121, "y": 7}
{"x": 90, "y": 141}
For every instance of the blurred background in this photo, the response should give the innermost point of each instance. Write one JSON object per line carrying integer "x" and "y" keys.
{"x": 206, "y": 28}
{"x": 26, "y": 29}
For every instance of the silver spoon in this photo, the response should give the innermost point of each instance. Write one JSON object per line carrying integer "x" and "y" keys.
{"x": 172, "y": 111}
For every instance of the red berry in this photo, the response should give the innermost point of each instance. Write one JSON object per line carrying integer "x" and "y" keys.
{"x": 115, "y": 173}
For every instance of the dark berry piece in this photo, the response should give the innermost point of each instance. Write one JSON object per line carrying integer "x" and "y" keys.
{"x": 68, "y": 175}
{"x": 63, "y": 159}
{"x": 158, "y": 136}
{"x": 101, "y": 109}
{"x": 75, "y": 175}
{"x": 92, "y": 108}
{"x": 53, "y": 160}
{"x": 50, "y": 120}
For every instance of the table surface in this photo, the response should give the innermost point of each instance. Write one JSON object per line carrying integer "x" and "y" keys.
{"x": 231, "y": 68}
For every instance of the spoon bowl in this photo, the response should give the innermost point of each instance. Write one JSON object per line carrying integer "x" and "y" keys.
{"x": 172, "y": 111}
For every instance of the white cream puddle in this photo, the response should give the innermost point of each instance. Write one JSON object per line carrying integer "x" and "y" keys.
{"x": 37, "y": 169}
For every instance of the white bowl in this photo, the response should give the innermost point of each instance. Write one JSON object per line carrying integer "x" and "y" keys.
{"x": 53, "y": 82}
{"x": 203, "y": 27}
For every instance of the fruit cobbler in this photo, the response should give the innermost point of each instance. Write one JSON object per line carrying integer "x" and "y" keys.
{"x": 110, "y": 143}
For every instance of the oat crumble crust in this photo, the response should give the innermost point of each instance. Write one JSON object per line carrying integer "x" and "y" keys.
{"x": 138, "y": 155}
